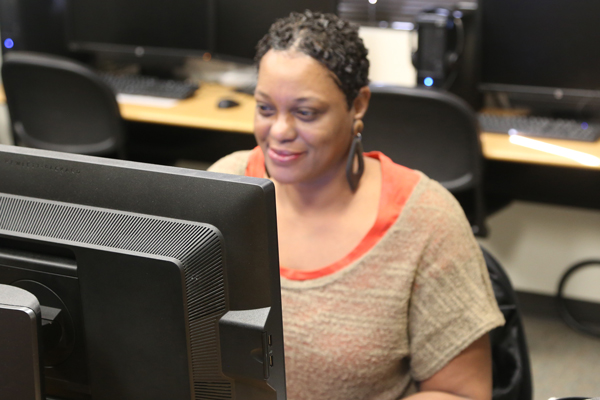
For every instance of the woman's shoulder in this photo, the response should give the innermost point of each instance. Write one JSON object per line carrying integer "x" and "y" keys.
{"x": 421, "y": 193}
{"x": 234, "y": 163}
{"x": 429, "y": 197}
{"x": 433, "y": 195}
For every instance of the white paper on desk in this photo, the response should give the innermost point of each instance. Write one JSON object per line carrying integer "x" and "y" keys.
{"x": 149, "y": 101}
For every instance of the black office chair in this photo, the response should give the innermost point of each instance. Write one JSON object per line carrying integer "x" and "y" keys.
{"x": 510, "y": 355}
{"x": 434, "y": 132}
{"x": 58, "y": 104}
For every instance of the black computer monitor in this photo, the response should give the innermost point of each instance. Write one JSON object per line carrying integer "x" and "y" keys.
{"x": 155, "y": 33}
{"x": 158, "y": 35}
{"x": 240, "y": 24}
{"x": 542, "y": 55}
{"x": 157, "y": 282}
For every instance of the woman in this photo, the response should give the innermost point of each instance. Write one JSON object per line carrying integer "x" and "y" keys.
{"x": 383, "y": 283}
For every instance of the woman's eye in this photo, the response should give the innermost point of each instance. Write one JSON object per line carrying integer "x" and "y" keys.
{"x": 264, "y": 109}
{"x": 306, "y": 114}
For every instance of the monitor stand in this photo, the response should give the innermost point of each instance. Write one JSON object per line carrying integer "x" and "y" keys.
{"x": 21, "y": 366}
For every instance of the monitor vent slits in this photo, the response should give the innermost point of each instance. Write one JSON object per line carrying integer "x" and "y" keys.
{"x": 205, "y": 285}
{"x": 213, "y": 390}
{"x": 196, "y": 246}
{"x": 99, "y": 227}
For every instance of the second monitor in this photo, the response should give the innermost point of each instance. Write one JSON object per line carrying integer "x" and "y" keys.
{"x": 228, "y": 29}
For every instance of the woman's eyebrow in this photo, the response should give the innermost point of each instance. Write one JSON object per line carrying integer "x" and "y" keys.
{"x": 305, "y": 99}
{"x": 262, "y": 94}
{"x": 298, "y": 100}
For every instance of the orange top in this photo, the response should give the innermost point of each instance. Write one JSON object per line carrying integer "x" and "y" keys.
{"x": 397, "y": 185}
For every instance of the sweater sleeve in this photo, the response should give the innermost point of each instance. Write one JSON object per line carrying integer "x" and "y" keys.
{"x": 452, "y": 302}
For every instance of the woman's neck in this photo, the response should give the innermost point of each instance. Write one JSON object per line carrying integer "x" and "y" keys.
{"x": 320, "y": 224}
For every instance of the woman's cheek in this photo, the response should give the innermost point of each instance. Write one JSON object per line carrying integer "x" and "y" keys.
{"x": 261, "y": 130}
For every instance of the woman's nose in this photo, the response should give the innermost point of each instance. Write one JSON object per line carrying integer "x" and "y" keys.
{"x": 283, "y": 128}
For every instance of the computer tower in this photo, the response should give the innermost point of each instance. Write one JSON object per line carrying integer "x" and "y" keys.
{"x": 33, "y": 25}
{"x": 447, "y": 56}
{"x": 437, "y": 52}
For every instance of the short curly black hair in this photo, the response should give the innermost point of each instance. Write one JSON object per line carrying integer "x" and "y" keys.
{"x": 332, "y": 41}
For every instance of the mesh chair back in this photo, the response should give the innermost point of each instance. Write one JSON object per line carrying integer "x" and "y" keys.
{"x": 511, "y": 366}
{"x": 58, "y": 104}
{"x": 434, "y": 132}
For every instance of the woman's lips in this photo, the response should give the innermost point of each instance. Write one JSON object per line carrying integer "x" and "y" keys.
{"x": 283, "y": 156}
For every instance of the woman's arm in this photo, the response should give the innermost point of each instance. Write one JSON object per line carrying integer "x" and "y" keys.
{"x": 467, "y": 376}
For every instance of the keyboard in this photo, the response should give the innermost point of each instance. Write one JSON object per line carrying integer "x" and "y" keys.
{"x": 540, "y": 127}
{"x": 149, "y": 86}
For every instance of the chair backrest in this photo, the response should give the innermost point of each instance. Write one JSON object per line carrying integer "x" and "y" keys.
{"x": 510, "y": 355}
{"x": 58, "y": 104}
{"x": 434, "y": 132}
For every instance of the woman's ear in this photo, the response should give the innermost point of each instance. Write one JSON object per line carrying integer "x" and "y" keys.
{"x": 361, "y": 103}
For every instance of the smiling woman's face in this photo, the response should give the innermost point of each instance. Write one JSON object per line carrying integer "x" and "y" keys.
{"x": 302, "y": 121}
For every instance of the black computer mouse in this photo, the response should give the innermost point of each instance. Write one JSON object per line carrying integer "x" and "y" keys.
{"x": 227, "y": 103}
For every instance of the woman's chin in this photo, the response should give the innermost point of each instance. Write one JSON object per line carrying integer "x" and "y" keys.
{"x": 283, "y": 177}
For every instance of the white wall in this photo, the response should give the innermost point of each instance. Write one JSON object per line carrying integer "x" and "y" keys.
{"x": 537, "y": 243}
{"x": 5, "y": 135}
{"x": 389, "y": 55}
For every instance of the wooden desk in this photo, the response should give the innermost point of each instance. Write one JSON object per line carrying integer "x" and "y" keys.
{"x": 201, "y": 111}
{"x": 497, "y": 146}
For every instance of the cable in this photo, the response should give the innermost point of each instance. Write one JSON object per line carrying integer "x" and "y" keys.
{"x": 563, "y": 310}
{"x": 459, "y": 49}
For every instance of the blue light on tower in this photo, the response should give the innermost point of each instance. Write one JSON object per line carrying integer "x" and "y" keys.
{"x": 9, "y": 43}
{"x": 428, "y": 81}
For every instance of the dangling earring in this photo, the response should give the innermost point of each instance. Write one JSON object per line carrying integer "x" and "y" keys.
{"x": 356, "y": 150}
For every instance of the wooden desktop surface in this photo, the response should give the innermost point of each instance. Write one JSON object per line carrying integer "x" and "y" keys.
{"x": 496, "y": 146}
{"x": 201, "y": 111}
